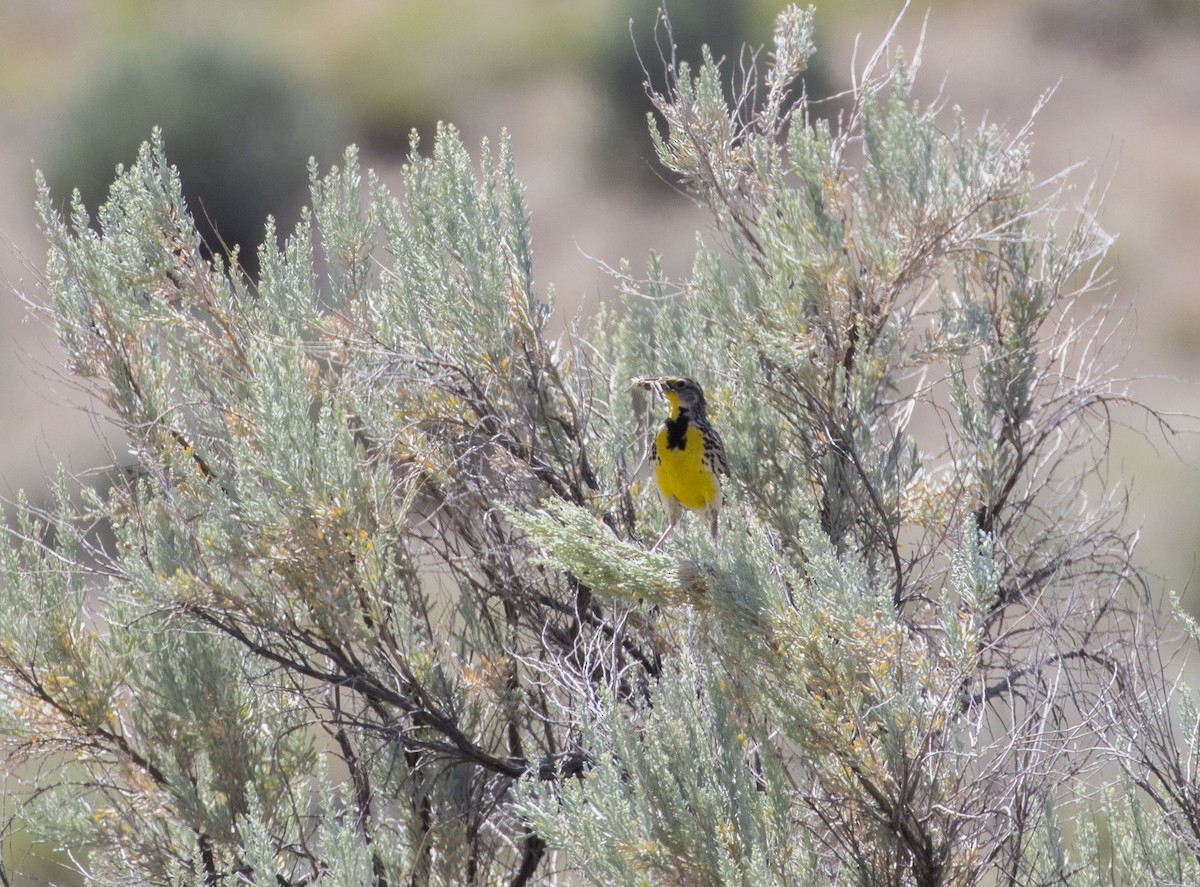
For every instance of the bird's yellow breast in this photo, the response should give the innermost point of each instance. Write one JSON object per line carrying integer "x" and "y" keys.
{"x": 681, "y": 473}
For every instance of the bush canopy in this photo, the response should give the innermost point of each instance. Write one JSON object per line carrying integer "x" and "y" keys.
{"x": 371, "y": 600}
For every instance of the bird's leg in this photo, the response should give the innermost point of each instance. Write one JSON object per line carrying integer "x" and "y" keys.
{"x": 712, "y": 515}
{"x": 674, "y": 513}
{"x": 667, "y": 532}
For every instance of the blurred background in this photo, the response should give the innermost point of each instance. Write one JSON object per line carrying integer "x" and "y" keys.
{"x": 246, "y": 92}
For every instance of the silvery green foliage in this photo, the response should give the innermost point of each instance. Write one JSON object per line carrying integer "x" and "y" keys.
{"x": 310, "y": 569}
{"x": 371, "y": 602}
{"x": 687, "y": 795}
{"x": 924, "y": 593}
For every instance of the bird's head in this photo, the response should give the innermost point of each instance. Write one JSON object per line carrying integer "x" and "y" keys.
{"x": 680, "y": 392}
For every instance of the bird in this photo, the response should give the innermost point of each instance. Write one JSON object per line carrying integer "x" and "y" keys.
{"x": 688, "y": 454}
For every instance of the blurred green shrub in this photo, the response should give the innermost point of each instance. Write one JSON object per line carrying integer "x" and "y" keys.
{"x": 240, "y": 129}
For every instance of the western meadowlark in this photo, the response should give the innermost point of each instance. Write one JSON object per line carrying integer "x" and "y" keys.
{"x": 688, "y": 454}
